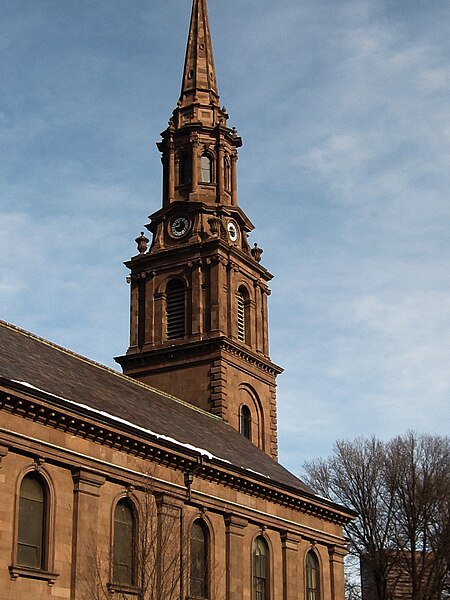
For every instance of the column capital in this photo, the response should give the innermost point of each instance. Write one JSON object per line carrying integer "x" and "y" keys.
{"x": 290, "y": 540}
{"x": 87, "y": 482}
{"x": 337, "y": 553}
{"x": 168, "y": 504}
{"x": 235, "y": 524}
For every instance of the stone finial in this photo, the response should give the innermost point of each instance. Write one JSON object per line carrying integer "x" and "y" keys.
{"x": 256, "y": 252}
{"x": 142, "y": 243}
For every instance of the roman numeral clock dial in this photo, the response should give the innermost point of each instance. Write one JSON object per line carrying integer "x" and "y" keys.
{"x": 179, "y": 227}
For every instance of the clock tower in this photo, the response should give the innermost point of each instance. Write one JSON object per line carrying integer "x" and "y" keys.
{"x": 199, "y": 322}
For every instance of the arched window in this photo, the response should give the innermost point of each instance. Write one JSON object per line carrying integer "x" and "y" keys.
{"x": 206, "y": 168}
{"x": 32, "y": 523}
{"x": 312, "y": 577}
{"x": 176, "y": 310}
{"x": 260, "y": 569}
{"x": 246, "y": 422}
{"x": 124, "y": 545}
{"x": 185, "y": 169}
{"x": 243, "y": 315}
{"x": 199, "y": 555}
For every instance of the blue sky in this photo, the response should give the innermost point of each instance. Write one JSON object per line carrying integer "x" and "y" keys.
{"x": 343, "y": 106}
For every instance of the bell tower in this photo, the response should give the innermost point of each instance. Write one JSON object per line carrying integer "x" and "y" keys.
{"x": 199, "y": 322}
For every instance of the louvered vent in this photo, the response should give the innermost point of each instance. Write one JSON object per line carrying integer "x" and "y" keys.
{"x": 241, "y": 317}
{"x": 176, "y": 313}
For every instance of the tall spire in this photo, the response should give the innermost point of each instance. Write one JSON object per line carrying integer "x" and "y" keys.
{"x": 199, "y": 327}
{"x": 199, "y": 78}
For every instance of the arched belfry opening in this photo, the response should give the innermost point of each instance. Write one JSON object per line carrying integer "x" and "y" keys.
{"x": 185, "y": 174}
{"x": 206, "y": 165}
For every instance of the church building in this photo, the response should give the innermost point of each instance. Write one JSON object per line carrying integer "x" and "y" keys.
{"x": 163, "y": 483}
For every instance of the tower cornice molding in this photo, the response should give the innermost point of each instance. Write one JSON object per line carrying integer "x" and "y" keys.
{"x": 207, "y": 346}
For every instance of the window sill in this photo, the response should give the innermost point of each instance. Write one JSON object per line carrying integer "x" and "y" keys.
{"x": 15, "y": 572}
{"x": 116, "y": 588}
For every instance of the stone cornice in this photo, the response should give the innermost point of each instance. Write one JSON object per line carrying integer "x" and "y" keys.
{"x": 245, "y": 354}
{"x": 42, "y": 408}
{"x": 207, "y": 347}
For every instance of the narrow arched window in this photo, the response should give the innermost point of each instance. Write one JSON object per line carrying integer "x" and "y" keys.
{"x": 199, "y": 555}
{"x": 176, "y": 309}
{"x": 124, "y": 545}
{"x": 312, "y": 577}
{"x": 260, "y": 570}
{"x": 185, "y": 169}
{"x": 32, "y": 523}
{"x": 206, "y": 169}
{"x": 246, "y": 422}
{"x": 243, "y": 315}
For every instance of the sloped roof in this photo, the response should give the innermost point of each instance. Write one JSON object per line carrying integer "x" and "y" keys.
{"x": 36, "y": 363}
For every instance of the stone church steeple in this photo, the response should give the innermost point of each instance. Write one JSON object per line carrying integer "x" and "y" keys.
{"x": 199, "y": 322}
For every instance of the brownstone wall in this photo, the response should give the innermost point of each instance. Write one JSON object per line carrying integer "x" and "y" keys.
{"x": 88, "y": 478}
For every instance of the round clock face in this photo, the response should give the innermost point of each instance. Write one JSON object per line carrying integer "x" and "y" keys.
{"x": 232, "y": 231}
{"x": 179, "y": 226}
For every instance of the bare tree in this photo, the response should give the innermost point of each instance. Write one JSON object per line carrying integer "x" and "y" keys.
{"x": 400, "y": 490}
{"x": 352, "y": 579}
{"x": 353, "y": 476}
{"x": 417, "y": 472}
{"x": 352, "y": 590}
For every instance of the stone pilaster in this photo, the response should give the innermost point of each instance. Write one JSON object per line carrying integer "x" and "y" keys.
{"x": 337, "y": 556}
{"x": 170, "y": 576}
{"x": 197, "y": 299}
{"x": 195, "y": 166}
{"x": 289, "y": 546}
{"x": 234, "y": 190}
{"x": 220, "y": 173}
{"x": 171, "y": 190}
{"x": 134, "y": 305}
{"x": 86, "y": 494}
{"x": 150, "y": 309}
{"x": 234, "y": 556}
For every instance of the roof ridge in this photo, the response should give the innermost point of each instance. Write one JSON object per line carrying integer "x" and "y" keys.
{"x": 103, "y": 367}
